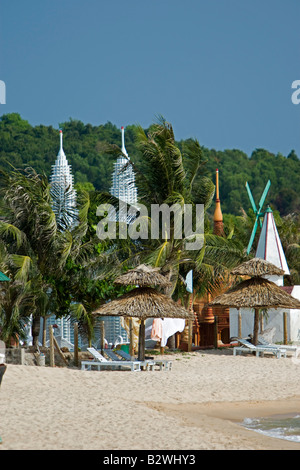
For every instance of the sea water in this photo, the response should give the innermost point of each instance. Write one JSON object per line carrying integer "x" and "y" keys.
{"x": 279, "y": 426}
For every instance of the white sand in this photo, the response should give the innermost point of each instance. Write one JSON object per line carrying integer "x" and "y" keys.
{"x": 183, "y": 409}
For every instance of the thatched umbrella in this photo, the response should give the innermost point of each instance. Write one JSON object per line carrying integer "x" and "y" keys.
{"x": 257, "y": 267}
{"x": 143, "y": 276}
{"x": 257, "y": 292}
{"x": 142, "y": 303}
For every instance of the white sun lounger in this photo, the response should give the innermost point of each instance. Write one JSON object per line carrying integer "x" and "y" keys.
{"x": 100, "y": 362}
{"x": 145, "y": 365}
{"x": 163, "y": 364}
{"x": 288, "y": 348}
{"x": 259, "y": 350}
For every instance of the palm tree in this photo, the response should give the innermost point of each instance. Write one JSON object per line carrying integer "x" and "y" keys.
{"x": 28, "y": 230}
{"x": 166, "y": 174}
{"x": 289, "y": 232}
{"x": 40, "y": 250}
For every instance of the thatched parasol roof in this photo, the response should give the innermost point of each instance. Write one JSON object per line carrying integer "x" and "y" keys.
{"x": 256, "y": 293}
{"x": 143, "y": 276}
{"x": 143, "y": 302}
{"x": 256, "y": 267}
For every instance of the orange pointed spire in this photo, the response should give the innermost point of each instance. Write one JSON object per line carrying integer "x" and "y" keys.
{"x": 218, "y": 216}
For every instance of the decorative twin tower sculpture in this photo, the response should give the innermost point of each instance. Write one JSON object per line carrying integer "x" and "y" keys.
{"x": 123, "y": 181}
{"x": 64, "y": 195}
{"x": 62, "y": 190}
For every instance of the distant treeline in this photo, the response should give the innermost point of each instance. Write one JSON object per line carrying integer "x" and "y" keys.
{"x": 22, "y": 145}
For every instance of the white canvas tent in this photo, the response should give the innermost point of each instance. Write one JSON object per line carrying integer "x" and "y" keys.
{"x": 269, "y": 248}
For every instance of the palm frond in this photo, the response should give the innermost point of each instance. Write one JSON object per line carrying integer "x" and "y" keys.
{"x": 23, "y": 265}
{"x": 9, "y": 230}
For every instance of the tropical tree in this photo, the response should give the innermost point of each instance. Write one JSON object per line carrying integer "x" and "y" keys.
{"x": 166, "y": 175}
{"x": 44, "y": 256}
{"x": 289, "y": 233}
{"x": 29, "y": 231}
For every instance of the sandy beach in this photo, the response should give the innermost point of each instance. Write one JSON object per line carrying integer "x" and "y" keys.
{"x": 197, "y": 405}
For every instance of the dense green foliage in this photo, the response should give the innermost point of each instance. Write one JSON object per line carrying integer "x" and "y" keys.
{"x": 80, "y": 274}
{"x": 23, "y": 145}
{"x": 51, "y": 271}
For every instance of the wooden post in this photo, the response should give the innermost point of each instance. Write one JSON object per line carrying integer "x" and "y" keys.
{"x": 256, "y": 326}
{"x": 131, "y": 348}
{"x": 216, "y": 332}
{"x": 76, "y": 344}
{"x": 239, "y": 323}
{"x": 102, "y": 336}
{"x": 44, "y": 331}
{"x": 261, "y": 322}
{"x": 285, "y": 329}
{"x": 60, "y": 352}
{"x": 52, "y": 362}
{"x": 22, "y": 356}
{"x": 190, "y": 323}
{"x": 141, "y": 356}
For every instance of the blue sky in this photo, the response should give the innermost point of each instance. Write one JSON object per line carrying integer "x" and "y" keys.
{"x": 218, "y": 70}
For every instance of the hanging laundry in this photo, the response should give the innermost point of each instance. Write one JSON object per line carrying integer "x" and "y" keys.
{"x": 156, "y": 331}
{"x": 170, "y": 326}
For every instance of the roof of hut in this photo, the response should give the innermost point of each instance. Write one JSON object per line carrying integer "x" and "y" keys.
{"x": 256, "y": 293}
{"x": 143, "y": 276}
{"x": 257, "y": 267}
{"x": 143, "y": 302}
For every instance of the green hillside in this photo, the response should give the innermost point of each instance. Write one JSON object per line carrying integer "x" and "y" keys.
{"x": 24, "y": 145}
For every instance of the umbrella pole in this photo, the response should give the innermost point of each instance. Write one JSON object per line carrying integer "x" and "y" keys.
{"x": 285, "y": 330}
{"x": 131, "y": 348}
{"x": 256, "y": 326}
{"x": 141, "y": 355}
{"x": 239, "y": 323}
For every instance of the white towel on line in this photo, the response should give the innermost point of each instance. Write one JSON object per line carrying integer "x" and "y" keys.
{"x": 170, "y": 326}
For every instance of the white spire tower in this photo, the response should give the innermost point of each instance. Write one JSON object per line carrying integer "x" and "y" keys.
{"x": 269, "y": 246}
{"x": 62, "y": 190}
{"x": 123, "y": 187}
{"x": 123, "y": 180}
{"x": 123, "y": 142}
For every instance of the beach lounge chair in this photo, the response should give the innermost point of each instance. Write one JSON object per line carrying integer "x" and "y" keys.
{"x": 259, "y": 350}
{"x": 294, "y": 349}
{"x": 163, "y": 364}
{"x": 145, "y": 365}
{"x": 112, "y": 356}
{"x": 100, "y": 362}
